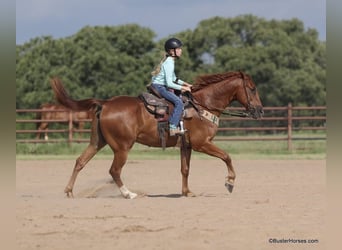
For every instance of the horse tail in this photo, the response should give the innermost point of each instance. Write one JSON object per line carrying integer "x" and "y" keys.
{"x": 76, "y": 105}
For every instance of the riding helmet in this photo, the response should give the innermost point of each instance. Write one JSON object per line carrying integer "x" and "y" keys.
{"x": 172, "y": 43}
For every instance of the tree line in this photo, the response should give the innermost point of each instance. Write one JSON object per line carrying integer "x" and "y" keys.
{"x": 286, "y": 61}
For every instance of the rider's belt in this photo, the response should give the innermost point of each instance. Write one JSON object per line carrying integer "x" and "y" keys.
{"x": 210, "y": 117}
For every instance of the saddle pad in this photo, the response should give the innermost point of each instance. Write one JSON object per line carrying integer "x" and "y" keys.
{"x": 153, "y": 100}
{"x": 154, "y": 105}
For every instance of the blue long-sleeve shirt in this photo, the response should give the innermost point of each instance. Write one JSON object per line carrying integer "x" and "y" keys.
{"x": 167, "y": 75}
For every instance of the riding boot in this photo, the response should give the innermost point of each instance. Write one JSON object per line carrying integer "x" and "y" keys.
{"x": 174, "y": 130}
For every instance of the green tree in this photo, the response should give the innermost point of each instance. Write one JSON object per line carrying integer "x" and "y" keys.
{"x": 95, "y": 62}
{"x": 286, "y": 61}
{"x": 279, "y": 55}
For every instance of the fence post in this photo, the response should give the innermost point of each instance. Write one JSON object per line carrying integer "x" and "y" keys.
{"x": 289, "y": 127}
{"x": 70, "y": 128}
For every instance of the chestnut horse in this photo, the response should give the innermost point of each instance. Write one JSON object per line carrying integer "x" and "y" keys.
{"x": 60, "y": 113}
{"x": 123, "y": 120}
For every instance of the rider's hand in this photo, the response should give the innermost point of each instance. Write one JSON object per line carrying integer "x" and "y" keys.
{"x": 187, "y": 84}
{"x": 186, "y": 88}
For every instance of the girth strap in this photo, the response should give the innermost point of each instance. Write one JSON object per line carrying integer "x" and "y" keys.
{"x": 210, "y": 117}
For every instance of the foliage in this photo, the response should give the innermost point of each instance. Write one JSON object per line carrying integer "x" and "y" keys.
{"x": 287, "y": 62}
{"x": 302, "y": 149}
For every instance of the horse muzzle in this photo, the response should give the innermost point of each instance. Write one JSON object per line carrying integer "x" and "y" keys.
{"x": 256, "y": 112}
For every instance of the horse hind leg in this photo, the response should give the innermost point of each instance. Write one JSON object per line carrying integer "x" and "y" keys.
{"x": 42, "y": 127}
{"x": 97, "y": 142}
{"x": 120, "y": 158}
{"x": 81, "y": 161}
{"x": 46, "y": 137}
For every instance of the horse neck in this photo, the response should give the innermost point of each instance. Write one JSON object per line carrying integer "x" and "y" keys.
{"x": 218, "y": 96}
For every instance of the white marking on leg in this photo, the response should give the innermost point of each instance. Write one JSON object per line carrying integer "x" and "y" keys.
{"x": 126, "y": 193}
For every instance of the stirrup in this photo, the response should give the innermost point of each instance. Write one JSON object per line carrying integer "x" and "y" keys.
{"x": 174, "y": 131}
{"x": 182, "y": 129}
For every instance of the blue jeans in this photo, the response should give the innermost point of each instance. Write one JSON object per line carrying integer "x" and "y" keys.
{"x": 175, "y": 100}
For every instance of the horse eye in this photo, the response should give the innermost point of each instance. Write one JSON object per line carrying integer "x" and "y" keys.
{"x": 253, "y": 90}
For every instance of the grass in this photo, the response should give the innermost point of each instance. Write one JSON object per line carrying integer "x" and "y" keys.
{"x": 301, "y": 149}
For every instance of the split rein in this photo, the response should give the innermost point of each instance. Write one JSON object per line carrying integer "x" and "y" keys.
{"x": 239, "y": 114}
{"x": 222, "y": 111}
{"x": 231, "y": 113}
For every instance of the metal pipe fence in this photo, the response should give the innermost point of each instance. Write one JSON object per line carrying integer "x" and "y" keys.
{"x": 279, "y": 123}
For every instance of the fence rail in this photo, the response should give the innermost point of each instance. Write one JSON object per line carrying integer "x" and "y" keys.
{"x": 278, "y": 123}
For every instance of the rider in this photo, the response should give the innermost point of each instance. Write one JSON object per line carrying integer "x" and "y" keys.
{"x": 165, "y": 81}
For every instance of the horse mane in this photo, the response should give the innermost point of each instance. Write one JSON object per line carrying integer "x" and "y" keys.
{"x": 206, "y": 80}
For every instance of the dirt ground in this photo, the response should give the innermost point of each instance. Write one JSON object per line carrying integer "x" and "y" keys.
{"x": 276, "y": 204}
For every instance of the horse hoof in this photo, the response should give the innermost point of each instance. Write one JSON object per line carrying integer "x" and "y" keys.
{"x": 133, "y": 196}
{"x": 69, "y": 195}
{"x": 189, "y": 194}
{"x": 229, "y": 187}
{"x": 68, "y": 192}
{"x": 130, "y": 196}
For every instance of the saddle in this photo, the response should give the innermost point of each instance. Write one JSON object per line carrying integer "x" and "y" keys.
{"x": 158, "y": 106}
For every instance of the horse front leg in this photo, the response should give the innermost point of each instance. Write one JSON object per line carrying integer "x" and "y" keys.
{"x": 212, "y": 150}
{"x": 185, "y": 152}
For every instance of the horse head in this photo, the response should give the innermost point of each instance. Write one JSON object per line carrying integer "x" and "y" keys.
{"x": 215, "y": 93}
{"x": 248, "y": 96}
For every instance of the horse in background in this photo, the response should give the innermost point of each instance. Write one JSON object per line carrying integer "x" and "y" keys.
{"x": 58, "y": 112}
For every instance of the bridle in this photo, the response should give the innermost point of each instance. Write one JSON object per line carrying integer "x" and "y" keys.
{"x": 233, "y": 113}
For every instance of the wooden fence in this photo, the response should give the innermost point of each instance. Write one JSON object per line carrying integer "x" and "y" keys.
{"x": 278, "y": 123}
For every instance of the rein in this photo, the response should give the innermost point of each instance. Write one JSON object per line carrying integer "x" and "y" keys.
{"x": 204, "y": 113}
{"x": 227, "y": 112}
{"x": 239, "y": 114}
{"x": 224, "y": 111}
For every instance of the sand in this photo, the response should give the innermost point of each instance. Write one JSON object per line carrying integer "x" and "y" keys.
{"x": 276, "y": 204}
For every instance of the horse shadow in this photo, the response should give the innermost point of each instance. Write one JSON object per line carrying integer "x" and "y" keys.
{"x": 164, "y": 195}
